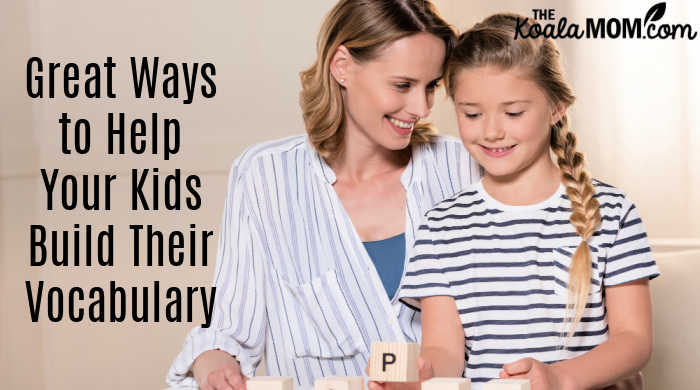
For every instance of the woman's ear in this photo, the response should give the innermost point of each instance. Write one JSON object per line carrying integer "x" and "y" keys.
{"x": 340, "y": 65}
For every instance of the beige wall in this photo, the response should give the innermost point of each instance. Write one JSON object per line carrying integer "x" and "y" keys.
{"x": 644, "y": 142}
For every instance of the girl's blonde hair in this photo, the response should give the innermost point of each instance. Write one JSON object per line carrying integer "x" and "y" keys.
{"x": 365, "y": 27}
{"x": 493, "y": 42}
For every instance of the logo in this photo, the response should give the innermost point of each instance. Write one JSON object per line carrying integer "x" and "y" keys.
{"x": 602, "y": 28}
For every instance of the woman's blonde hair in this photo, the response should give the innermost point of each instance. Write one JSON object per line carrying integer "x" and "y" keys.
{"x": 493, "y": 42}
{"x": 365, "y": 27}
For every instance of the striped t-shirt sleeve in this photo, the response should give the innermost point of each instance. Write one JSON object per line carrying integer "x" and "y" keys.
{"x": 629, "y": 258}
{"x": 425, "y": 275}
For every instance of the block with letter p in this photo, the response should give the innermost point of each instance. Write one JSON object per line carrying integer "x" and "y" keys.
{"x": 393, "y": 362}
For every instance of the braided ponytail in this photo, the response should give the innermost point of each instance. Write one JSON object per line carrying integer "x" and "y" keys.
{"x": 585, "y": 215}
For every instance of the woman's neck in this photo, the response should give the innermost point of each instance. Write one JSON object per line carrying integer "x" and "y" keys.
{"x": 363, "y": 159}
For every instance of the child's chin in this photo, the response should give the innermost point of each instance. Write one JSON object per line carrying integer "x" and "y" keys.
{"x": 496, "y": 171}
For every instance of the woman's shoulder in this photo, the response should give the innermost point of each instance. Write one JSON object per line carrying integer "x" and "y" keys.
{"x": 443, "y": 152}
{"x": 267, "y": 150}
{"x": 444, "y": 163}
{"x": 441, "y": 143}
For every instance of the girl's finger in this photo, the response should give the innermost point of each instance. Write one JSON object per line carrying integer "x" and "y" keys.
{"x": 519, "y": 366}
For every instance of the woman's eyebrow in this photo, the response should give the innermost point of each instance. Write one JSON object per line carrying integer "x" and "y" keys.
{"x": 412, "y": 80}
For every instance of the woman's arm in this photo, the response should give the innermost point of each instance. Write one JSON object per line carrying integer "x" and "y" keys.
{"x": 240, "y": 257}
{"x": 442, "y": 344}
{"x": 629, "y": 347}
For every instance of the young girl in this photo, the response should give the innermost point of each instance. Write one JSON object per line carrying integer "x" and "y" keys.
{"x": 540, "y": 271}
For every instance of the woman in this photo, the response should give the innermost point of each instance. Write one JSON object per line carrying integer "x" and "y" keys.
{"x": 315, "y": 228}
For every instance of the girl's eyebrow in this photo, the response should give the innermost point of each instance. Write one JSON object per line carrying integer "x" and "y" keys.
{"x": 508, "y": 103}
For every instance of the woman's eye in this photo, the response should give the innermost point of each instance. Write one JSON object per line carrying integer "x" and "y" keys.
{"x": 433, "y": 85}
{"x": 402, "y": 86}
{"x": 471, "y": 116}
{"x": 514, "y": 114}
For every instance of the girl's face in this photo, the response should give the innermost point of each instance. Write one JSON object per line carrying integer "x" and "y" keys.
{"x": 386, "y": 96}
{"x": 504, "y": 119}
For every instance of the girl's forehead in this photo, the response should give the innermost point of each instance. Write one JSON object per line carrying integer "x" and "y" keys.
{"x": 492, "y": 83}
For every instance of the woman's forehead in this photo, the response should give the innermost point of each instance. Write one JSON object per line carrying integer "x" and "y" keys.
{"x": 418, "y": 56}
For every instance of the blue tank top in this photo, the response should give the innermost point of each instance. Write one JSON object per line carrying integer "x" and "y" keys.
{"x": 388, "y": 256}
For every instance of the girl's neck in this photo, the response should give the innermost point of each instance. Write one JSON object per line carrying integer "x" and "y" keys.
{"x": 362, "y": 159}
{"x": 531, "y": 185}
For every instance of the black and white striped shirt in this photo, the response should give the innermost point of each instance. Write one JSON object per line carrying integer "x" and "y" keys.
{"x": 294, "y": 281}
{"x": 507, "y": 268}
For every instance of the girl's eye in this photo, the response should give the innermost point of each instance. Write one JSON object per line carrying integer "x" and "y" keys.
{"x": 471, "y": 116}
{"x": 402, "y": 86}
{"x": 514, "y": 114}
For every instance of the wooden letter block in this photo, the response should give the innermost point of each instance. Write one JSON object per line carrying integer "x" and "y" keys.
{"x": 270, "y": 383}
{"x": 446, "y": 384}
{"x": 507, "y": 384}
{"x": 340, "y": 383}
{"x": 394, "y": 362}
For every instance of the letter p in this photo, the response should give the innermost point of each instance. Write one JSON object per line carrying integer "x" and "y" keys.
{"x": 388, "y": 358}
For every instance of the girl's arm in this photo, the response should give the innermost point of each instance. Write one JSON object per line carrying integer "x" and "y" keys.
{"x": 442, "y": 344}
{"x": 625, "y": 353}
{"x": 629, "y": 347}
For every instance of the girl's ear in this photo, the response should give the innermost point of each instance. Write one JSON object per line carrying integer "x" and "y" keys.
{"x": 340, "y": 65}
{"x": 558, "y": 112}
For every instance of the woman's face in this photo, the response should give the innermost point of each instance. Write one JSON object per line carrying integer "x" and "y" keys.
{"x": 504, "y": 119}
{"x": 386, "y": 96}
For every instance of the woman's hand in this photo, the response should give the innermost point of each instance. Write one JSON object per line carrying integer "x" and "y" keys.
{"x": 425, "y": 372}
{"x": 217, "y": 370}
{"x": 542, "y": 376}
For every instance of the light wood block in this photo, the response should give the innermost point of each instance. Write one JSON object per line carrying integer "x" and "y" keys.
{"x": 507, "y": 384}
{"x": 394, "y": 362}
{"x": 270, "y": 383}
{"x": 340, "y": 383}
{"x": 446, "y": 384}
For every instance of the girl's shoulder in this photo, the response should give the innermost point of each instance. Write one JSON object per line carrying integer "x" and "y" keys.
{"x": 614, "y": 205}
{"x": 611, "y": 200}
{"x": 466, "y": 201}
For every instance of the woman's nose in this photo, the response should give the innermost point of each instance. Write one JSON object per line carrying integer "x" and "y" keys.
{"x": 419, "y": 104}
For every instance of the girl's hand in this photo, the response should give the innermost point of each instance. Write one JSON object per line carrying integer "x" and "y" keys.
{"x": 425, "y": 372}
{"x": 542, "y": 376}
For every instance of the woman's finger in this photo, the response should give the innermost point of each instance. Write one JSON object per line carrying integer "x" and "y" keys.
{"x": 235, "y": 379}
